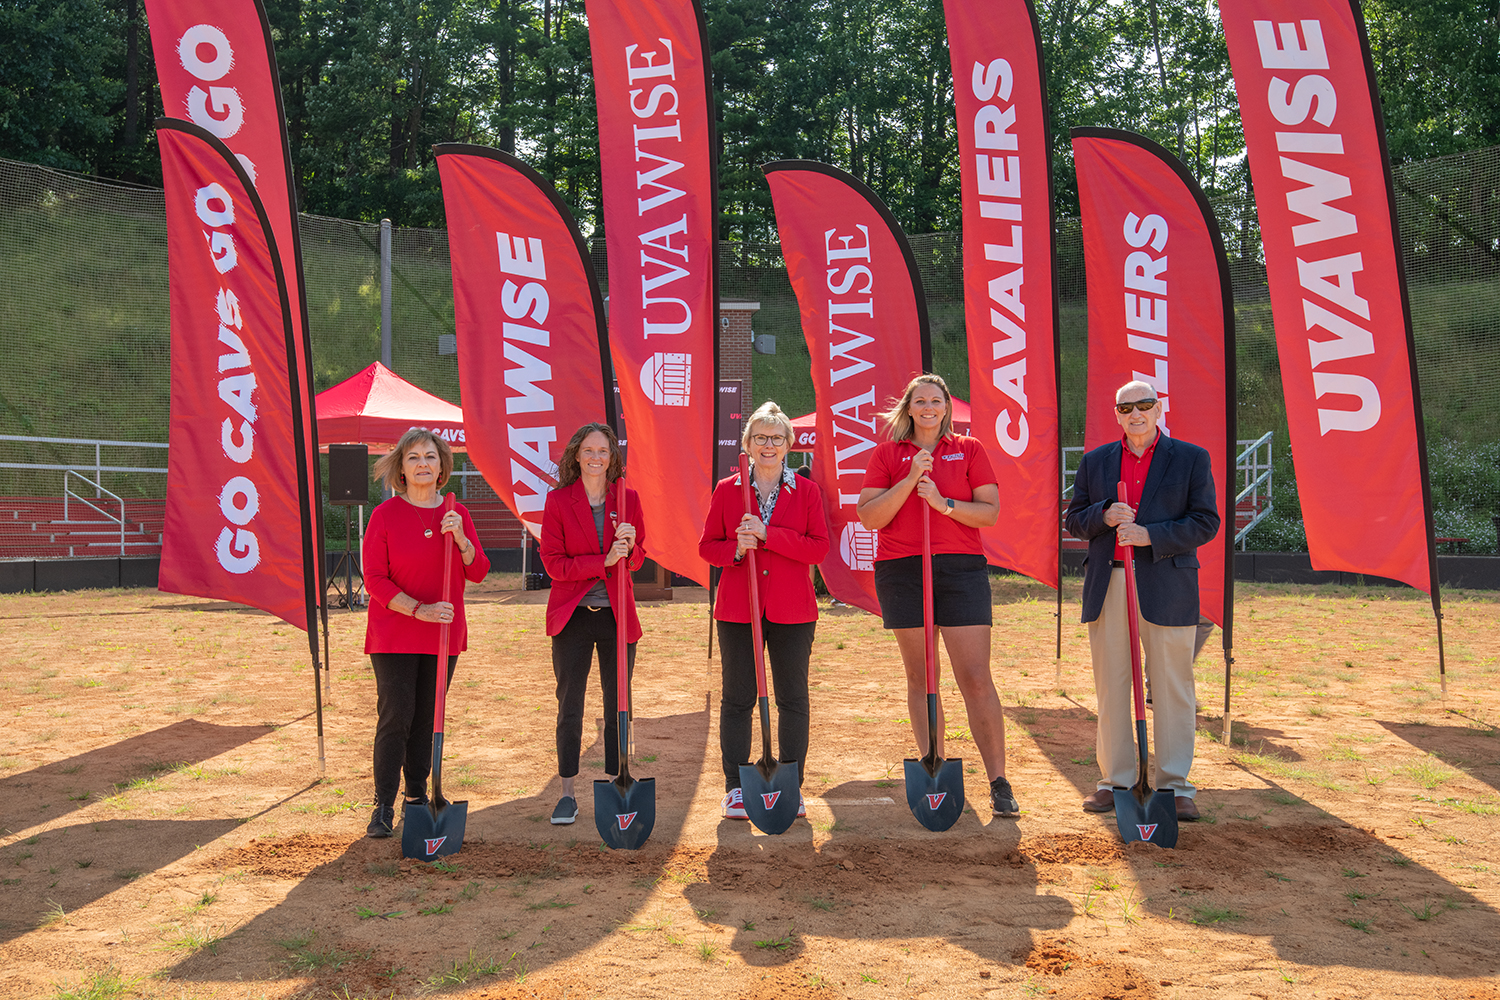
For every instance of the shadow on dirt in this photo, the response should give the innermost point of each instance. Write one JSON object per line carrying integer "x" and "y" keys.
{"x": 1265, "y": 860}
{"x": 881, "y": 876}
{"x": 54, "y": 790}
{"x": 1472, "y": 748}
{"x": 520, "y": 896}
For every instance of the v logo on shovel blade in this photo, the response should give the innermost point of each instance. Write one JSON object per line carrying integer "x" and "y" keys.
{"x": 625, "y": 819}
{"x": 433, "y": 843}
{"x": 1148, "y": 830}
{"x": 769, "y": 798}
{"x": 935, "y": 799}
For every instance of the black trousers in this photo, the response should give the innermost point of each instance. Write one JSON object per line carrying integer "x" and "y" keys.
{"x": 788, "y": 649}
{"x": 572, "y": 659}
{"x": 405, "y": 695}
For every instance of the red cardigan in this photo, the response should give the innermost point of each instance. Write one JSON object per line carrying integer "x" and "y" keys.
{"x": 575, "y": 560}
{"x": 796, "y": 538}
{"x": 397, "y": 557}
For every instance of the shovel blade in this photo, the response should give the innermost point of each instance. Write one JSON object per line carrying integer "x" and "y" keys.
{"x": 772, "y": 794}
{"x": 429, "y": 831}
{"x": 935, "y": 791}
{"x": 625, "y": 812}
{"x": 1154, "y": 820}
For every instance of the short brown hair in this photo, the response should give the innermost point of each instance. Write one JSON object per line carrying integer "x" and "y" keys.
{"x": 568, "y": 469}
{"x": 898, "y": 418}
{"x": 388, "y": 466}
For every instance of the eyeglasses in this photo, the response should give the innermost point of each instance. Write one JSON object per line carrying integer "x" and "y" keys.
{"x": 774, "y": 440}
{"x": 1140, "y": 404}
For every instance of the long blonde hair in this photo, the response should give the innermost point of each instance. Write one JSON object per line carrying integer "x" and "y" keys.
{"x": 898, "y": 418}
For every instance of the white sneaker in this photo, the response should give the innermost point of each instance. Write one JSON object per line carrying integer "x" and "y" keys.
{"x": 733, "y": 805}
{"x": 801, "y": 806}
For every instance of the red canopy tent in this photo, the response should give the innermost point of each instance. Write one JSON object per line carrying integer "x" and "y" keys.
{"x": 805, "y": 430}
{"x": 377, "y": 406}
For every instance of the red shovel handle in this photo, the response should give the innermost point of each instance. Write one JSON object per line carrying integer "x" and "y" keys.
{"x": 929, "y": 631}
{"x": 622, "y": 672}
{"x": 1132, "y": 612}
{"x": 443, "y": 630}
{"x": 755, "y": 627}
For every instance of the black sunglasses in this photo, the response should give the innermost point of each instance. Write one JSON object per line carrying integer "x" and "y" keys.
{"x": 1140, "y": 404}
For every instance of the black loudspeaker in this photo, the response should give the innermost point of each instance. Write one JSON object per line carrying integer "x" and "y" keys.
{"x": 348, "y": 474}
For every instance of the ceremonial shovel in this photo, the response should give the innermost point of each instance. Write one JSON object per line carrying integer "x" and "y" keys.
{"x": 625, "y": 808}
{"x": 434, "y": 828}
{"x": 770, "y": 789}
{"x": 1140, "y": 813}
{"x": 934, "y": 786}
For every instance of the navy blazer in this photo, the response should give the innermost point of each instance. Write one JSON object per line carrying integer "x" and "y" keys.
{"x": 1178, "y": 506}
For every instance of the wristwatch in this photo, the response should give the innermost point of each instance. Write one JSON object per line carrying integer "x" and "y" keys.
{"x": 948, "y": 510}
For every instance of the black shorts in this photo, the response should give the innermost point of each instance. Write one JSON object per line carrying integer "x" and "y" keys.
{"x": 960, "y": 591}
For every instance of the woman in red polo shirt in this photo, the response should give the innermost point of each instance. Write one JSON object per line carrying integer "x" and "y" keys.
{"x": 925, "y": 462}
{"x": 403, "y": 570}
{"x": 789, "y": 534}
{"x": 584, "y": 534}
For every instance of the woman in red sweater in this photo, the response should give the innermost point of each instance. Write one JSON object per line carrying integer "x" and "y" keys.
{"x": 789, "y": 534}
{"x": 403, "y": 571}
{"x": 584, "y": 534}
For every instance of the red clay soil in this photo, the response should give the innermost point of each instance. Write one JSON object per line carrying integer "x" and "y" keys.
{"x": 165, "y": 828}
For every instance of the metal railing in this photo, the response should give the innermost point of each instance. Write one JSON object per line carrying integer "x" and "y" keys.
{"x": 69, "y": 495}
{"x": 1257, "y": 490}
{"x": 98, "y": 464}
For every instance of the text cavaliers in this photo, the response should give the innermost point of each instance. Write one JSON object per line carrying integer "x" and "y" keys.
{"x": 999, "y": 187}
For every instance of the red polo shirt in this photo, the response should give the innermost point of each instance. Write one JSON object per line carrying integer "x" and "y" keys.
{"x": 1133, "y": 472}
{"x": 959, "y": 466}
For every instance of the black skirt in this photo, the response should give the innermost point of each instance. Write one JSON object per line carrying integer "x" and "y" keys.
{"x": 960, "y": 591}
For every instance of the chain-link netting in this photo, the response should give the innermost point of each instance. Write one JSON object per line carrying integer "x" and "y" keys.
{"x": 84, "y": 326}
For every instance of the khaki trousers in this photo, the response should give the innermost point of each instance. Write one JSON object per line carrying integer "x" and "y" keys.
{"x": 1174, "y": 719}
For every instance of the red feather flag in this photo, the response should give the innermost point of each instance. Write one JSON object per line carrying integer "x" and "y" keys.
{"x": 216, "y": 66}
{"x": 1316, "y": 145}
{"x": 533, "y": 353}
{"x": 864, "y": 316}
{"x": 1010, "y": 299}
{"x": 656, "y": 157}
{"x": 1161, "y": 310}
{"x": 237, "y": 493}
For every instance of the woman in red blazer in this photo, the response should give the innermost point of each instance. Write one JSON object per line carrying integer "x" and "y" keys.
{"x": 789, "y": 534}
{"x": 584, "y": 534}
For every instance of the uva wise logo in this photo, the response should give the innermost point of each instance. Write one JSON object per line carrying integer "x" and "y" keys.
{"x": 625, "y": 819}
{"x": 935, "y": 799}
{"x": 769, "y": 798}
{"x": 433, "y": 843}
{"x": 1148, "y": 830}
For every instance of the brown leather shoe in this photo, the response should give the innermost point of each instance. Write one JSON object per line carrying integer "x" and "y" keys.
{"x": 1187, "y": 809}
{"x": 1101, "y": 801}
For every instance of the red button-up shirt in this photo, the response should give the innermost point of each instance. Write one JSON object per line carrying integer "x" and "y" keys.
{"x": 1133, "y": 470}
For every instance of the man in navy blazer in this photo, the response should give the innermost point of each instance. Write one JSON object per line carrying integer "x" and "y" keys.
{"x": 1171, "y": 510}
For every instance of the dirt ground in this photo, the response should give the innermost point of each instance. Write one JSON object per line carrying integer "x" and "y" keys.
{"x": 165, "y": 830}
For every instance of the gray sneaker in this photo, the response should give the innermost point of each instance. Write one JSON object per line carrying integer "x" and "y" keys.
{"x": 1002, "y": 800}
{"x": 565, "y": 812}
